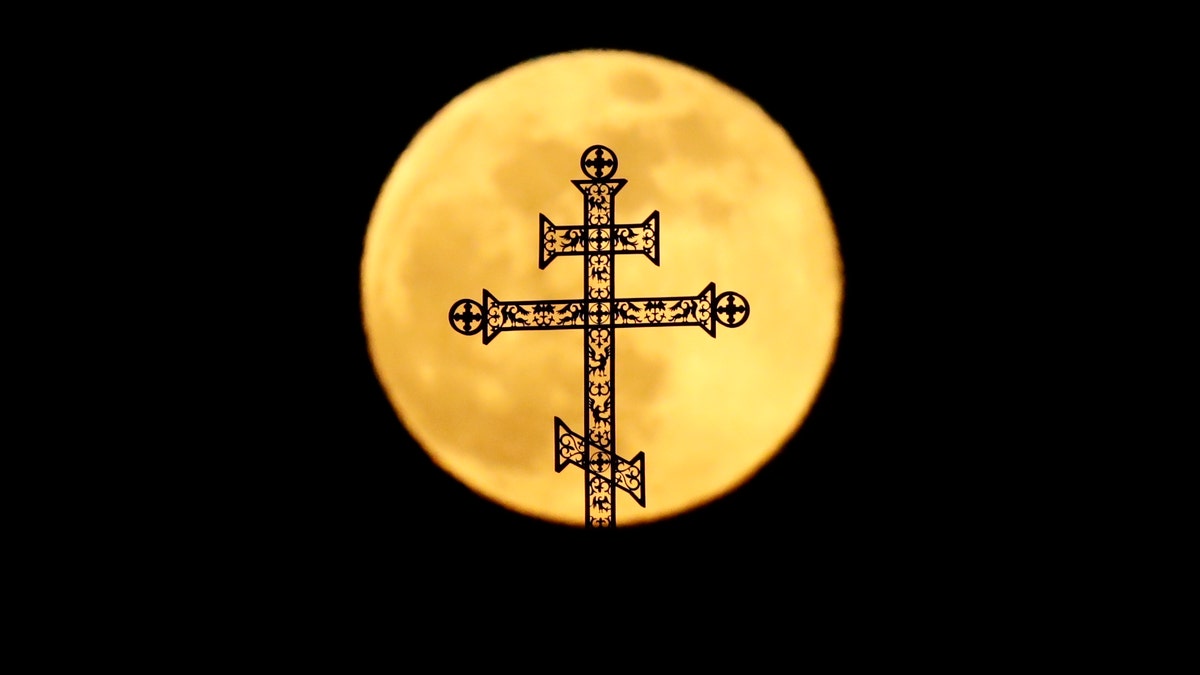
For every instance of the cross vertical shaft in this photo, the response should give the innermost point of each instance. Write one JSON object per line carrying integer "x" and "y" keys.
{"x": 599, "y": 409}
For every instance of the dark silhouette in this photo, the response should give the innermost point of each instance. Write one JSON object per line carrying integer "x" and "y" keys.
{"x": 599, "y": 314}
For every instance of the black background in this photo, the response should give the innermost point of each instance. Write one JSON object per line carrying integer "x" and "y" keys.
{"x": 311, "y": 464}
{"x": 248, "y": 474}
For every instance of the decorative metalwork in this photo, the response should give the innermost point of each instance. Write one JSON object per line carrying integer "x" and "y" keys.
{"x": 598, "y": 314}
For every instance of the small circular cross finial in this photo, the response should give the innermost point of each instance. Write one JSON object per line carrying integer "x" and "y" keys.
{"x": 598, "y": 162}
{"x": 732, "y": 309}
{"x": 466, "y": 316}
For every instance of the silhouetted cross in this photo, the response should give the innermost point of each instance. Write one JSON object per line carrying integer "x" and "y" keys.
{"x": 599, "y": 313}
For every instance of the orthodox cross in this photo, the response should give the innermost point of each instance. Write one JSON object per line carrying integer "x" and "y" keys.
{"x": 598, "y": 314}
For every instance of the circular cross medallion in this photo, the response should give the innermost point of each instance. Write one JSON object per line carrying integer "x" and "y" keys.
{"x": 732, "y": 309}
{"x": 598, "y": 162}
{"x": 466, "y": 316}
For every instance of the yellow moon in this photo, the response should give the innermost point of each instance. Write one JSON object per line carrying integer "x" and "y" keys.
{"x": 738, "y": 207}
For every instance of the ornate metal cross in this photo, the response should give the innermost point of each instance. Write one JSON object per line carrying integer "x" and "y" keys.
{"x": 599, "y": 313}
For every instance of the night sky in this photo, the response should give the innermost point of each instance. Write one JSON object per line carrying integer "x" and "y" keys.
{"x": 321, "y": 469}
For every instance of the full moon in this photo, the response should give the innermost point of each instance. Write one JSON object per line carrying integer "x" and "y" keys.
{"x": 738, "y": 206}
